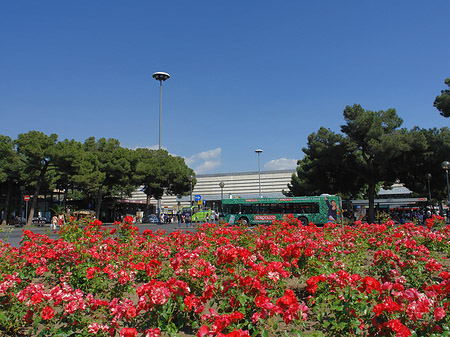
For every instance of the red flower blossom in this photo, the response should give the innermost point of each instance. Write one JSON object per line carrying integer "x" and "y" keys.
{"x": 204, "y": 331}
{"x": 369, "y": 284}
{"x": 439, "y": 313}
{"x": 47, "y": 313}
{"x": 400, "y": 329}
{"x": 128, "y": 332}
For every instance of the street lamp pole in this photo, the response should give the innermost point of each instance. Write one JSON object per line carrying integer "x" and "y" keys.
{"x": 428, "y": 176}
{"x": 222, "y": 185}
{"x": 191, "y": 178}
{"x": 258, "y": 151}
{"x": 161, "y": 77}
{"x": 22, "y": 189}
{"x": 445, "y": 166}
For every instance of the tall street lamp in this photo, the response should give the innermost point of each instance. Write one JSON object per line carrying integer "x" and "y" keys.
{"x": 428, "y": 176}
{"x": 258, "y": 151}
{"x": 161, "y": 77}
{"x": 445, "y": 166}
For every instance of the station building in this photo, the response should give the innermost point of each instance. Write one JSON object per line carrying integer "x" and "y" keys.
{"x": 208, "y": 189}
{"x": 246, "y": 185}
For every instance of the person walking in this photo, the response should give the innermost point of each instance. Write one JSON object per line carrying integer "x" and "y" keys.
{"x": 61, "y": 221}
{"x": 54, "y": 221}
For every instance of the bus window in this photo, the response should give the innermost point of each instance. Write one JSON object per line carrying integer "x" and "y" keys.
{"x": 264, "y": 208}
{"x": 247, "y": 209}
{"x": 289, "y": 208}
{"x": 306, "y": 208}
{"x": 275, "y": 208}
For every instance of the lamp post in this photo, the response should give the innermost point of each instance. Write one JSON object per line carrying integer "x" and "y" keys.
{"x": 445, "y": 165}
{"x": 222, "y": 185}
{"x": 428, "y": 176}
{"x": 22, "y": 189}
{"x": 258, "y": 151}
{"x": 161, "y": 77}
{"x": 191, "y": 178}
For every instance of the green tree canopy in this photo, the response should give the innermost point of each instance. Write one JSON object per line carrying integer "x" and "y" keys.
{"x": 162, "y": 173}
{"x": 365, "y": 155}
{"x": 36, "y": 150}
{"x": 105, "y": 170}
{"x": 94, "y": 170}
{"x": 414, "y": 167}
{"x": 323, "y": 169}
{"x": 442, "y": 102}
{"x": 11, "y": 171}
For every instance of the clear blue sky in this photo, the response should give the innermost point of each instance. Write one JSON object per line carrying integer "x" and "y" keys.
{"x": 244, "y": 74}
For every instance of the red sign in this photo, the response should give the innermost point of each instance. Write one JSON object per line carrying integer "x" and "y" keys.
{"x": 26, "y": 198}
{"x": 265, "y": 217}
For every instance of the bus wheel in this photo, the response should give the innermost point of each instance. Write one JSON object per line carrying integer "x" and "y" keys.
{"x": 244, "y": 221}
{"x": 303, "y": 220}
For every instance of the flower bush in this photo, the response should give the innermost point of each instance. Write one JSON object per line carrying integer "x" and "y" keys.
{"x": 279, "y": 280}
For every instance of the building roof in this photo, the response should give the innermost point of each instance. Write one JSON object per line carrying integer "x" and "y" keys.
{"x": 397, "y": 189}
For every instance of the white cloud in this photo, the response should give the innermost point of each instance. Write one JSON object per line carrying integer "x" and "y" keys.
{"x": 281, "y": 164}
{"x": 206, "y": 161}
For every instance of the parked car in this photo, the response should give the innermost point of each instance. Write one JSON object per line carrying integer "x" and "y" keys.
{"x": 152, "y": 218}
{"x": 39, "y": 220}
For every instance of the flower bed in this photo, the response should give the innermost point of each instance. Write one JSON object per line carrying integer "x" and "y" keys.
{"x": 280, "y": 280}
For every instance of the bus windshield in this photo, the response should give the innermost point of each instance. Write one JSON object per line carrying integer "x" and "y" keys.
{"x": 318, "y": 210}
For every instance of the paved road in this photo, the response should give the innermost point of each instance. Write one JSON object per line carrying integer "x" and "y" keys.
{"x": 13, "y": 234}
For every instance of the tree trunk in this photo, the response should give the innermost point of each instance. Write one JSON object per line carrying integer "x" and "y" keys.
{"x": 371, "y": 215}
{"x": 7, "y": 197}
{"x": 34, "y": 201}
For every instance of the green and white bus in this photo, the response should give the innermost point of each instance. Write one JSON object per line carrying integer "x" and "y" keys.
{"x": 318, "y": 210}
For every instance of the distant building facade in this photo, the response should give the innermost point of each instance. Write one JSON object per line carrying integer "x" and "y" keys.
{"x": 235, "y": 185}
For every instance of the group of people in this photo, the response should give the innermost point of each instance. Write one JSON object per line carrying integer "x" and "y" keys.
{"x": 166, "y": 218}
{"x": 58, "y": 220}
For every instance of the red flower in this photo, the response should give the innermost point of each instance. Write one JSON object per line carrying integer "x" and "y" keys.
{"x": 47, "y": 313}
{"x": 369, "y": 284}
{"x": 238, "y": 333}
{"x": 400, "y": 329}
{"x": 445, "y": 275}
{"x": 439, "y": 313}
{"x": 128, "y": 332}
{"x": 203, "y": 331}
{"x": 29, "y": 316}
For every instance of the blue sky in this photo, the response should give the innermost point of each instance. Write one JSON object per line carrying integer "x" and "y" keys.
{"x": 244, "y": 74}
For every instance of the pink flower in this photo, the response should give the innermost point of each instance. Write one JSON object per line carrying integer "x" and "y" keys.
{"x": 153, "y": 332}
